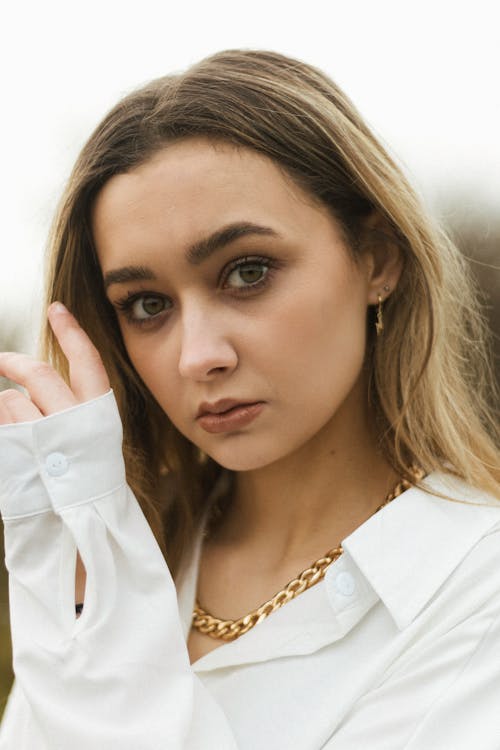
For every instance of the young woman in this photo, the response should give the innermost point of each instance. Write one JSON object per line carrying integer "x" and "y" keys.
{"x": 297, "y": 361}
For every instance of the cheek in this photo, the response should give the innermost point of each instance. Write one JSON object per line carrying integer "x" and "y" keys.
{"x": 154, "y": 364}
{"x": 320, "y": 337}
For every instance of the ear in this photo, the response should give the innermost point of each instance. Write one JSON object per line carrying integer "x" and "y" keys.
{"x": 382, "y": 257}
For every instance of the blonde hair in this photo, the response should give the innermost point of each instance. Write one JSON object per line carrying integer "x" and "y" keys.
{"x": 431, "y": 385}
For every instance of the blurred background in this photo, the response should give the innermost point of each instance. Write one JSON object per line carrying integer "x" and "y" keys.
{"x": 423, "y": 74}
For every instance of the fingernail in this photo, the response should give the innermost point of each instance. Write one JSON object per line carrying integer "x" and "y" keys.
{"x": 57, "y": 307}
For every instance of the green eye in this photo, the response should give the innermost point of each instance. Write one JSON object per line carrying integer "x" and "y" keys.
{"x": 147, "y": 307}
{"x": 251, "y": 274}
{"x": 247, "y": 274}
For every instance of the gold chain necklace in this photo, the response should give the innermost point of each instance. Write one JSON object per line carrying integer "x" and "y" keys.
{"x": 229, "y": 630}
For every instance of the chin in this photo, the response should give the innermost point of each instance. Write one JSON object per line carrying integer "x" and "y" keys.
{"x": 245, "y": 456}
{"x": 234, "y": 461}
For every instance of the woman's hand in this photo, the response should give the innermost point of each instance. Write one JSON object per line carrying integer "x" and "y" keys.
{"x": 48, "y": 393}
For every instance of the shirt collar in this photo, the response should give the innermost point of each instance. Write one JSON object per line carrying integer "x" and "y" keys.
{"x": 410, "y": 547}
{"x": 400, "y": 556}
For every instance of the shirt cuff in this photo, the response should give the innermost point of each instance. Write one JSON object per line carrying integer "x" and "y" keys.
{"x": 63, "y": 460}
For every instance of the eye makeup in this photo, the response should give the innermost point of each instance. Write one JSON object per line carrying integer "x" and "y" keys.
{"x": 147, "y": 307}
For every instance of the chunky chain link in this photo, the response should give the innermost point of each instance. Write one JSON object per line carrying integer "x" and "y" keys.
{"x": 229, "y": 630}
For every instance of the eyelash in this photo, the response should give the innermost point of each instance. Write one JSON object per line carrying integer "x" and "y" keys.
{"x": 125, "y": 304}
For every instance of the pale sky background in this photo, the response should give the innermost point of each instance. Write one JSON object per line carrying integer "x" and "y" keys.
{"x": 424, "y": 74}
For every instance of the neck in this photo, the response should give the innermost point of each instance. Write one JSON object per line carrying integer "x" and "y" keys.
{"x": 307, "y": 502}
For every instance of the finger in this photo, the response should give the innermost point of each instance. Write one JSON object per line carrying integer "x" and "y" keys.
{"x": 46, "y": 388}
{"x": 16, "y": 407}
{"x": 88, "y": 376}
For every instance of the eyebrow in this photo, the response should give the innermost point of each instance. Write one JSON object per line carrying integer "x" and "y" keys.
{"x": 128, "y": 273}
{"x": 195, "y": 254}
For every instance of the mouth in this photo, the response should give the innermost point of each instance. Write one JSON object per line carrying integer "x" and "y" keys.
{"x": 221, "y": 406}
{"x": 227, "y": 415}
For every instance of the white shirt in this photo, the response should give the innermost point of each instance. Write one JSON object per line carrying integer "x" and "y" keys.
{"x": 398, "y": 647}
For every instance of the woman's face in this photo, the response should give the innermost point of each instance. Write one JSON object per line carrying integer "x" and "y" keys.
{"x": 232, "y": 287}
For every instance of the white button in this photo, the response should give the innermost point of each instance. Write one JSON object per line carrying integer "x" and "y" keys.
{"x": 56, "y": 464}
{"x": 345, "y": 583}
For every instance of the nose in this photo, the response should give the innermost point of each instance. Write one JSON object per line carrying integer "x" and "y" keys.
{"x": 206, "y": 350}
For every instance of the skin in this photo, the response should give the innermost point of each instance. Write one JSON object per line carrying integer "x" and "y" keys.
{"x": 308, "y": 468}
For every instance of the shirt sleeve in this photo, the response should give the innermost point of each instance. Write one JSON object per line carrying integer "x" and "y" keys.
{"x": 119, "y": 675}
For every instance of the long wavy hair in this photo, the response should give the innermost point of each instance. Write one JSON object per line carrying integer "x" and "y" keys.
{"x": 431, "y": 382}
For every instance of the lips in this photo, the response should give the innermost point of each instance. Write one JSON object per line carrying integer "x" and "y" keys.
{"x": 219, "y": 407}
{"x": 228, "y": 415}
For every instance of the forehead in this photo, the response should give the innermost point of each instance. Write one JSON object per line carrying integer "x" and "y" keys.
{"x": 192, "y": 188}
